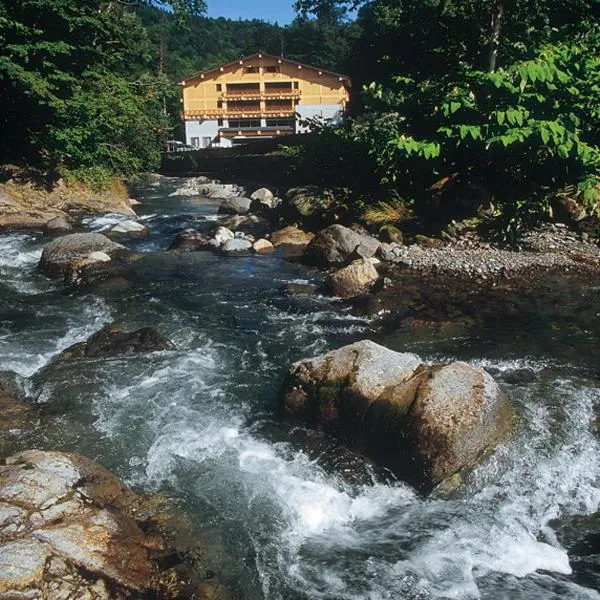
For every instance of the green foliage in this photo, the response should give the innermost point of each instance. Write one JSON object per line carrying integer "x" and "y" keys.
{"x": 433, "y": 105}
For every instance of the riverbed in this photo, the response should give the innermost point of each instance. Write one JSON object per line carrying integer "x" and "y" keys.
{"x": 279, "y": 511}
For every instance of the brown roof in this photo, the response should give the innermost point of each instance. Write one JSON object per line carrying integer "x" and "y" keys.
{"x": 261, "y": 55}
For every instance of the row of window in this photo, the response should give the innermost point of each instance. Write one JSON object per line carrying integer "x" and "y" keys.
{"x": 267, "y": 69}
{"x": 270, "y": 86}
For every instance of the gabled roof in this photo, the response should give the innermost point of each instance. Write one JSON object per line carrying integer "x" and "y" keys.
{"x": 263, "y": 55}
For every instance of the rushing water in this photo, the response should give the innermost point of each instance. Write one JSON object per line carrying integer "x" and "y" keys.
{"x": 282, "y": 512}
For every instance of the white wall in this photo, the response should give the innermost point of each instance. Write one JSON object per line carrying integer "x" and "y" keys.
{"x": 325, "y": 112}
{"x": 205, "y": 129}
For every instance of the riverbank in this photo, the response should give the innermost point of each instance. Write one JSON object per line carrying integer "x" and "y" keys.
{"x": 31, "y": 203}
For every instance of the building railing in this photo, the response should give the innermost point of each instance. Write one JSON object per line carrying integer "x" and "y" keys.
{"x": 261, "y": 95}
{"x": 238, "y": 113}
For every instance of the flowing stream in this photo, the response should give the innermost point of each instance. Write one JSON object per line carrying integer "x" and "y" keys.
{"x": 280, "y": 511}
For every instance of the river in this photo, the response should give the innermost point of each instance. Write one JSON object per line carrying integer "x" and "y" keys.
{"x": 279, "y": 511}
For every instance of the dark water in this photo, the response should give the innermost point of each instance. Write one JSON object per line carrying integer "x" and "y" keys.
{"x": 280, "y": 511}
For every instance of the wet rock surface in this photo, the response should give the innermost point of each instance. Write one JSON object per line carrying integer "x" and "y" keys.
{"x": 353, "y": 280}
{"x": 337, "y": 245}
{"x": 236, "y": 205}
{"x": 62, "y": 253}
{"x": 70, "y": 530}
{"x": 111, "y": 341}
{"x": 427, "y": 422}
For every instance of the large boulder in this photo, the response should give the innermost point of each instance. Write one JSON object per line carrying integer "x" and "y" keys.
{"x": 111, "y": 341}
{"x": 428, "y": 423}
{"x": 353, "y": 280}
{"x": 338, "y": 245}
{"x": 60, "y": 254}
{"x": 292, "y": 240}
{"x": 70, "y": 530}
{"x": 235, "y": 205}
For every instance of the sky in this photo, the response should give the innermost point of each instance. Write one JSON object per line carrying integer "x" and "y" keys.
{"x": 267, "y": 10}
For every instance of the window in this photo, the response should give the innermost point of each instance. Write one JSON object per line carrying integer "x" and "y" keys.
{"x": 251, "y": 69}
{"x": 196, "y": 142}
{"x": 296, "y": 85}
{"x": 281, "y": 123}
{"x": 273, "y": 69}
{"x": 220, "y": 122}
{"x": 206, "y": 142}
{"x": 219, "y": 104}
{"x": 219, "y": 87}
{"x": 244, "y": 123}
{"x": 283, "y": 105}
{"x": 235, "y": 88}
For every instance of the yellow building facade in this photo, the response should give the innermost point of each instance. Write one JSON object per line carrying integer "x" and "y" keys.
{"x": 260, "y": 96}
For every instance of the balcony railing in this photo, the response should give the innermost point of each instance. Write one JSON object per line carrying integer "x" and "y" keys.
{"x": 238, "y": 113}
{"x": 261, "y": 95}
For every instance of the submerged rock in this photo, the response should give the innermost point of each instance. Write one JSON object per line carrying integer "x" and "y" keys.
{"x": 15, "y": 412}
{"x": 61, "y": 254}
{"x": 70, "y": 530}
{"x": 190, "y": 239}
{"x": 427, "y": 422}
{"x": 111, "y": 341}
{"x": 338, "y": 245}
{"x": 580, "y": 535}
{"x": 353, "y": 280}
{"x": 235, "y": 205}
{"x": 293, "y": 288}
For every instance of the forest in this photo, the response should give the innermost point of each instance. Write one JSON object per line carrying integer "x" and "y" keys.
{"x": 497, "y": 95}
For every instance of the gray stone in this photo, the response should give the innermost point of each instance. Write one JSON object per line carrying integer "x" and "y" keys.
{"x": 190, "y": 239}
{"x": 236, "y": 246}
{"x": 235, "y": 205}
{"x": 128, "y": 230}
{"x": 337, "y": 245}
{"x": 429, "y": 422}
{"x": 222, "y": 234}
{"x": 60, "y": 254}
{"x": 58, "y": 226}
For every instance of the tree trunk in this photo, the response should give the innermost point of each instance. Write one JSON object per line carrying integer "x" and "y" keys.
{"x": 497, "y": 15}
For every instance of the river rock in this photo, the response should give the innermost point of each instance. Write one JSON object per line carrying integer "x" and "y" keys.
{"x": 129, "y": 229}
{"x": 293, "y": 288}
{"x": 250, "y": 224}
{"x": 262, "y": 198}
{"x": 236, "y": 246}
{"x": 235, "y": 205}
{"x": 391, "y": 235}
{"x": 292, "y": 240}
{"x": 111, "y": 341}
{"x": 15, "y": 411}
{"x": 353, "y": 280}
{"x": 337, "y": 245}
{"x": 58, "y": 226}
{"x": 307, "y": 202}
{"x": 427, "y": 422}
{"x": 222, "y": 235}
{"x": 580, "y": 536}
{"x": 62, "y": 253}
{"x": 263, "y": 246}
{"x": 70, "y": 530}
{"x": 190, "y": 239}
